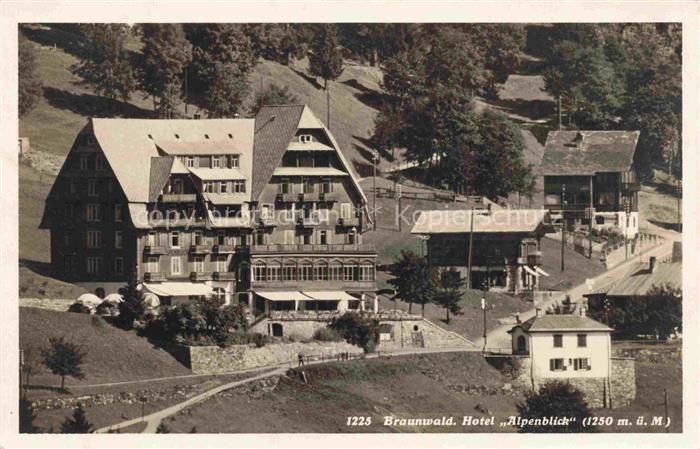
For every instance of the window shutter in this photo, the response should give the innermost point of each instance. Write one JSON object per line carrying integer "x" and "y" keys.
{"x": 551, "y": 364}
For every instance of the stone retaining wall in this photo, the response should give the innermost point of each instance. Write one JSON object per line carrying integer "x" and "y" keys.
{"x": 58, "y": 305}
{"x": 213, "y": 359}
{"x": 420, "y": 333}
{"x": 621, "y": 390}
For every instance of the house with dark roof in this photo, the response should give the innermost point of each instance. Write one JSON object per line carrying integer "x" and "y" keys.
{"x": 506, "y": 252}
{"x": 266, "y": 211}
{"x": 576, "y": 349}
{"x": 592, "y": 170}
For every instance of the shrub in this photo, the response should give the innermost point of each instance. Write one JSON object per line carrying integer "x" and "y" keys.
{"x": 107, "y": 308}
{"x": 326, "y": 334}
{"x": 357, "y": 330}
{"x": 555, "y": 398}
{"x": 78, "y": 307}
{"x": 78, "y": 423}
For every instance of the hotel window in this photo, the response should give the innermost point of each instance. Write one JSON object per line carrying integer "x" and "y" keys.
{"x": 189, "y": 161}
{"x": 289, "y": 273}
{"x": 92, "y": 187}
{"x": 322, "y": 214}
{"x": 582, "y": 364}
{"x": 94, "y": 239}
{"x": 176, "y": 187}
{"x": 198, "y": 238}
{"x": 366, "y": 273}
{"x": 174, "y": 239}
{"x": 152, "y": 239}
{"x": 305, "y": 138}
{"x": 306, "y": 273}
{"x": 238, "y": 186}
{"x": 259, "y": 237}
{"x": 321, "y": 273}
{"x": 66, "y": 238}
{"x": 267, "y": 211}
{"x": 307, "y": 185}
{"x": 581, "y": 339}
{"x": 326, "y": 185}
{"x": 99, "y": 162}
{"x": 118, "y": 265}
{"x": 152, "y": 264}
{"x": 84, "y": 162}
{"x": 259, "y": 273}
{"x": 199, "y": 264}
{"x": 556, "y": 365}
{"x": 323, "y": 237}
{"x": 235, "y": 160}
{"x": 305, "y": 237}
{"x": 216, "y": 162}
{"x": 68, "y": 210}
{"x": 221, "y": 238}
{"x": 223, "y": 187}
{"x": 175, "y": 265}
{"x": 558, "y": 341}
{"x": 284, "y": 186}
{"x": 94, "y": 265}
{"x": 352, "y": 236}
{"x": 222, "y": 264}
{"x": 72, "y": 187}
{"x": 273, "y": 273}
{"x": 288, "y": 213}
{"x": 118, "y": 240}
{"x": 336, "y": 273}
{"x": 345, "y": 211}
{"x": 289, "y": 237}
{"x": 208, "y": 187}
{"x": 349, "y": 273}
{"x": 118, "y": 213}
{"x": 93, "y": 212}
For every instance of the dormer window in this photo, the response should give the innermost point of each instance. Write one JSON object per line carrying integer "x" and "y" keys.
{"x": 305, "y": 138}
{"x": 235, "y": 160}
{"x": 190, "y": 161}
{"x": 215, "y": 162}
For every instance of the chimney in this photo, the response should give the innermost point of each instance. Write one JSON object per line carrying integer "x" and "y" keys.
{"x": 517, "y": 318}
{"x": 652, "y": 263}
{"x": 579, "y": 139}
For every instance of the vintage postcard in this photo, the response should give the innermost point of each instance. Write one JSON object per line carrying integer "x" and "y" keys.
{"x": 329, "y": 223}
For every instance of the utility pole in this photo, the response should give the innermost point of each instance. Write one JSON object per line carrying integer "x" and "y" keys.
{"x": 627, "y": 222}
{"x": 21, "y": 364}
{"x": 483, "y": 308}
{"x": 398, "y": 196}
{"x": 471, "y": 241}
{"x": 563, "y": 223}
{"x": 679, "y": 192}
{"x": 374, "y": 188}
{"x": 328, "y": 107}
{"x": 187, "y": 97}
{"x": 590, "y": 218}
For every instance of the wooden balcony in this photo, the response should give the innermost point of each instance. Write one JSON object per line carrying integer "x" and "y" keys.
{"x": 288, "y": 197}
{"x": 154, "y": 250}
{"x": 200, "y": 249}
{"x": 360, "y": 248}
{"x": 154, "y": 276}
{"x": 329, "y": 197}
{"x": 309, "y": 196}
{"x": 178, "y": 198}
{"x": 224, "y": 276}
{"x": 224, "y": 249}
{"x": 200, "y": 276}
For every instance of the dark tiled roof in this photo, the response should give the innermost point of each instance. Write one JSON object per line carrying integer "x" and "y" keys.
{"x": 160, "y": 171}
{"x": 275, "y": 127}
{"x": 598, "y": 151}
{"x": 571, "y": 322}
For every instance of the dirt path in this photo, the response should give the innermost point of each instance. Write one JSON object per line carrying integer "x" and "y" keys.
{"x": 154, "y": 419}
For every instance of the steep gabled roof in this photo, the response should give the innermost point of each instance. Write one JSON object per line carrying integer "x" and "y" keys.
{"x": 160, "y": 172}
{"x": 588, "y": 152}
{"x": 275, "y": 127}
{"x": 554, "y": 323}
{"x": 460, "y": 221}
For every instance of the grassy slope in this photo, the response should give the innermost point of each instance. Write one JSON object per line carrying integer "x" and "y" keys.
{"x": 113, "y": 355}
{"x": 410, "y": 386}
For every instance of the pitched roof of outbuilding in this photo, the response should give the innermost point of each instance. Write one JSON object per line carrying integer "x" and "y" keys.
{"x": 588, "y": 152}
{"x": 459, "y": 221}
{"x": 570, "y": 322}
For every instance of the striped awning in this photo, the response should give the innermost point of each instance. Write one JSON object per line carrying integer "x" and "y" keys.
{"x": 283, "y": 296}
{"x": 333, "y": 295}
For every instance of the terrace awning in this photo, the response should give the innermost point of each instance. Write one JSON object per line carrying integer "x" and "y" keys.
{"x": 179, "y": 289}
{"x": 283, "y": 296}
{"x": 330, "y": 296}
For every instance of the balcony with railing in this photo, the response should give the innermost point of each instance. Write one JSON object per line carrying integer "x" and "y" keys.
{"x": 154, "y": 250}
{"x": 224, "y": 276}
{"x": 200, "y": 276}
{"x": 366, "y": 248}
{"x": 154, "y": 276}
{"x": 224, "y": 249}
{"x": 178, "y": 198}
{"x": 200, "y": 249}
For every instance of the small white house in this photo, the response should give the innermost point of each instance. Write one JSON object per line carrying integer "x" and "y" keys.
{"x": 564, "y": 346}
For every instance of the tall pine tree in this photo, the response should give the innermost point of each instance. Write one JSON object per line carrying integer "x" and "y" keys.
{"x": 166, "y": 52}
{"x": 325, "y": 59}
